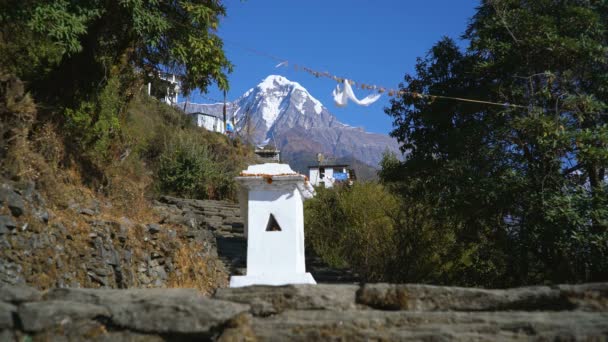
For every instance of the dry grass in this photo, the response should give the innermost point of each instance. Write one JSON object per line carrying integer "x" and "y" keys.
{"x": 38, "y": 154}
{"x": 49, "y": 144}
{"x": 127, "y": 183}
{"x": 194, "y": 271}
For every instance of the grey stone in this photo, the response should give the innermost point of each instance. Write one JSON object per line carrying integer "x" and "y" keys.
{"x": 192, "y": 220}
{"x": 6, "y": 315}
{"x": 159, "y": 272}
{"x": 111, "y": 257}
{"x": 29, "y": 192}
{"x": 587, "y": 297}
{"x": 174, "y": 219}
{"x": 183, "y": 311}
{"x": 12, "y": 199}
{"x": 10, "y": 274}
{"x": 42, "y": 215}
{"x": 87, "y": 212}
{"x": 7, "y": 336}
{"x": 7, "y": 224}
{"x": 39, "y": 316}
{"x": 88, "y": 330}
{"x": 18, "y": 294}
{"x": 321, "y": 312}
{"x": 144, "y": 279}
{"x": 201, "y": 236}
{"x": 439, "y": 298}
{"x": 153, "y": 228}
{"x": 101, "y": 280}
{"x": 267, "y": 300}
{"x": 365, "y": 325}
{"x": 61, "y": 229}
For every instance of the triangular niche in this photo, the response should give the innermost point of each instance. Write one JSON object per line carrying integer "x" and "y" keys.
{"x": 273, "y": 225}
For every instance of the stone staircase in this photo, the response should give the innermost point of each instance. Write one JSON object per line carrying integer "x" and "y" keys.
{"x": 223, "y": 219}
{"x": 325, "y": 312}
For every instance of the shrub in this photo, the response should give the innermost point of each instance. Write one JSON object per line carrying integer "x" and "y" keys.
{"x": 381, "y": 237}
{"x": 188, "y": 167}
{"x": 354, "y": 226}
{"x": 93, "y": 125}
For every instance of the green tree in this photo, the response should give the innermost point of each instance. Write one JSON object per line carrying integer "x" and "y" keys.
{"x": 84, "y": 60}
{"x": 86, "y": 41}
{"x": 526, "y": 182}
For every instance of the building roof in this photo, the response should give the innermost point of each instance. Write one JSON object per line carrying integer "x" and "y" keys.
{"x": 327, "y": 165}
{"x": 266, "y": 151}
{"x": 206, "y": 114}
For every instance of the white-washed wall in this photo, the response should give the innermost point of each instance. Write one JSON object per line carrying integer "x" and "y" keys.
{"x": 210, "y": 123}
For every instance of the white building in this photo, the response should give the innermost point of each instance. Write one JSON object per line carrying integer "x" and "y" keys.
{"x": 210, "y": 122}
{"x": 172, "y": 85}
{"x": 271, "y": 202}
{"x": 173, "y": 88}
{"x": 327, "y": 175}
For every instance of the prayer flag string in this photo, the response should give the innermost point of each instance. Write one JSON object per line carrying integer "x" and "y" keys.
{"x": 391, "y": 92}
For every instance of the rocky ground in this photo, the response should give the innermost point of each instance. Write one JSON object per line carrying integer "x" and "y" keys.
{"x": 105, "y": 279}
{"x": 306, "y": 312}
{"x": 84, "y": 245}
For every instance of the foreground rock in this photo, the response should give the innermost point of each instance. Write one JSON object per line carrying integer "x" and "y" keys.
{"x": 79, "y": 314}
{"x": 268, "y": 300}
{"x": 307, "y": 312}
{"x": 162, "y": 311}
{"x": 433, "y": 326}
{"x": 587, "y": 297}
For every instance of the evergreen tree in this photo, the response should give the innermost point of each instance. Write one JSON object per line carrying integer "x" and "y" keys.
{"x": 528, "y": 182}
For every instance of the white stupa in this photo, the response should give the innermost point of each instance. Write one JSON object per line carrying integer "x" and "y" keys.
{"x": 271, "y": 202}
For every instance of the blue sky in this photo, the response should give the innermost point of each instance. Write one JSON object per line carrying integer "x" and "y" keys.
{"x": 374, "y": 42}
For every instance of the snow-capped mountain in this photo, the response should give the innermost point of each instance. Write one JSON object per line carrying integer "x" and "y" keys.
{"x": 286, "y": 113}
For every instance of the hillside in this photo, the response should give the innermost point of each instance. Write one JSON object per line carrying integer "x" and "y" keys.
{"x": 72, "y": 217}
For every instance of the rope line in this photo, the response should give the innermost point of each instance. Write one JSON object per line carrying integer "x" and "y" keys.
{"x": 365, "y": 86}
{"x": 474, "y": 101}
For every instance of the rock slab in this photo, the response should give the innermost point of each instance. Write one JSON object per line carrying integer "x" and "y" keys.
{"x": 387, "y": 312}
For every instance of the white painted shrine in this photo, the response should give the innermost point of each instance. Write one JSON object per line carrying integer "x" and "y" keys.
{"x": 271, "y": 200}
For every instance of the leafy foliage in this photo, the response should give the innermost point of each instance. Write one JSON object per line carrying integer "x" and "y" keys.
{"x": 382, "y": 239}
{"x": 86, "y": 38}
{"x": 186, "y": 160}
{"x": 84, "y": 60}
{"x": 189, "y": 169}
{"x": 527, "y": 185}
{"x": 95, "y": 133}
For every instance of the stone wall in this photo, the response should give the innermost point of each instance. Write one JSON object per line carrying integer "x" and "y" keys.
{"x": 88, "y": 245}
{"x": 307, "y": 312}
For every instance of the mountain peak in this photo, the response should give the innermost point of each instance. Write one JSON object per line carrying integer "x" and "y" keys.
{"x": 272, "y": 82}
{"x": 273, "y": 95}
{"x": 284, "y": 111}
